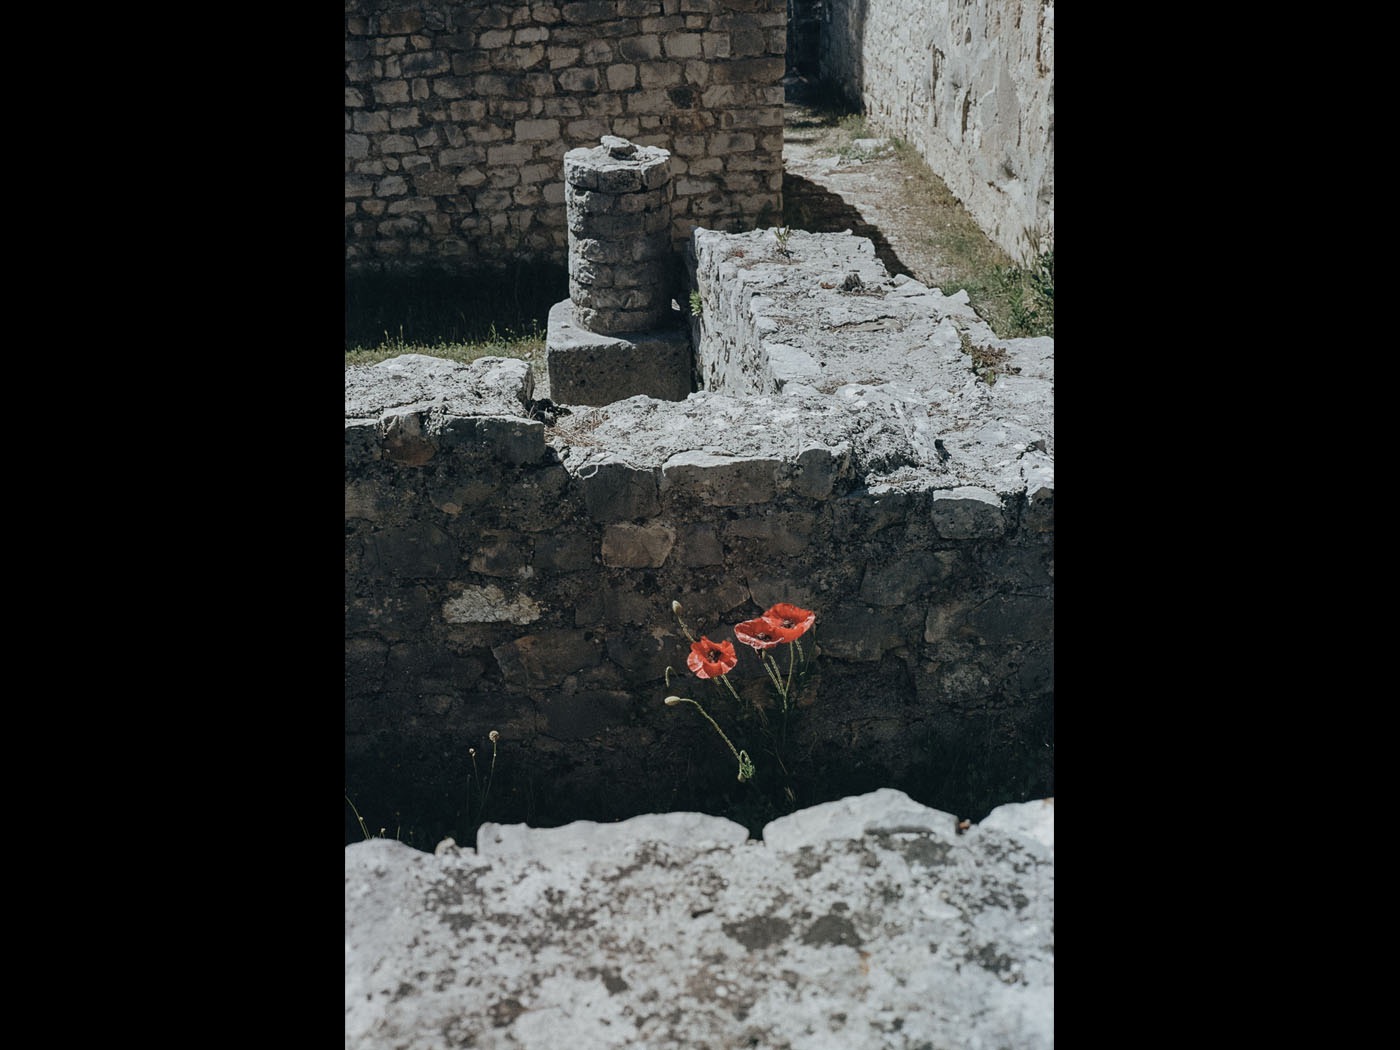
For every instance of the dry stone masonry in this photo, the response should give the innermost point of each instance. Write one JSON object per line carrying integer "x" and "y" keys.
{"x": 458, "y": 117}
{"x": 618, "y": 201}
{"x": 862, "y": 446}
{"x": 623, "y": 335}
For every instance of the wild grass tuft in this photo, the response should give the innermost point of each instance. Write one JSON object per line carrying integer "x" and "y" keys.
{"x": 529, "y": 346}
{"x": 458, "y": 315}
{"x": 1014, "y": 297}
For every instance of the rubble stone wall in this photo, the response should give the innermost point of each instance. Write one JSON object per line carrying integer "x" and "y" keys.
{"x": 971, "y": 85}
{"x": 511, "y": 563}
{"x": 458, "y": 116}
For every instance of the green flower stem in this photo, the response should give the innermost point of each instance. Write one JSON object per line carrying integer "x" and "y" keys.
{"x": 791, "y": 664}
{"x": 740, "y": 701}
{"x": 363, "y": 826}
{"x": 746, "y": 768}
{"x": 775, "y": 676}
{"x": 676, "y": 609}
{"x": 725, "y": 679}
{"x": 485, "y": 795}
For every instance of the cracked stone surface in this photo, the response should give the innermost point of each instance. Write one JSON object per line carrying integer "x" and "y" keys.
{"x": 808, "y": 342}
{"x": 871, "y": 921}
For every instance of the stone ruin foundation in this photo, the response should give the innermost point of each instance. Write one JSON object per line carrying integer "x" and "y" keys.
{"x": 620, "y": 332}
{"x": 861, "y": 445}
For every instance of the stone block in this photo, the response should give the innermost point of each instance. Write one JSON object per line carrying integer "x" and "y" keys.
{"x": 637, "y": 546}
{"x": 588, "y": 368}
{"x": 544, "y": 659}
{"x": 905, "y": 579}
{"x": 862, "y": 634}
{"x": 967, "y": 513}
{"x": 682, "y": 45}
{"x": 699, "y": 545}
{"x": 489, "y": 604}
{"x": 536, "y": 129}
{"x": 721, "y": 481}
{"x": 615, "y": 490}
{"x": 414, "y": 551}
{"x": 621, "y": 77}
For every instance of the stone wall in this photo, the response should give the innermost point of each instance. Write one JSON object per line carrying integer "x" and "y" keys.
{"x": 511, "y": 564}
{"x": 971, "y": 85}
{"x": 458, "y": 116}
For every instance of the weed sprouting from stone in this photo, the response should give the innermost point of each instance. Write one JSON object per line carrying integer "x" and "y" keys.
{"x": 363, "y": 826}
{"x": 484, "y": 792}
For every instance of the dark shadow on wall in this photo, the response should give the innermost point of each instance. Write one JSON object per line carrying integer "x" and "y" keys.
{"x": 424, "y": 791}
{"x": 812, "y": 207}
{"x": 805, "y": 19}
{"x": 432, "y": 305}
{"x": 827, "y": 41}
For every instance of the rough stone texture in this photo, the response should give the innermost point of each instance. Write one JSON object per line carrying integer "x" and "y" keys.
{"x": 458, "y": 117}
{"x": 617, "y": 198}
{"x": 819, "y": 321}
{"x": 971, "y": 86}
{"x": 864, "y": 922}
{"x": 884, "y": 481}
{"x": 489, "y": 386}
{"x": 586, "y": 368}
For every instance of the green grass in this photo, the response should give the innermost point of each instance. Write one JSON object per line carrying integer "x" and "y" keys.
{"x": 1015, "y": 297}
{"x": 456, "y": 315}
{"x": 529, "y": 346}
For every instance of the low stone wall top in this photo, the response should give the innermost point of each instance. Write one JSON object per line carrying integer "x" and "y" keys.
{"x": 866, "y": 922}
{"x": 912, "y": 381}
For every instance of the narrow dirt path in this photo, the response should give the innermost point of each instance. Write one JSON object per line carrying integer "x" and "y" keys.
{"x": 834, "y": 181}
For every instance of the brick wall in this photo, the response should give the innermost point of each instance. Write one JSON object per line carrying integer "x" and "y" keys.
{"x": 458, "y": 116}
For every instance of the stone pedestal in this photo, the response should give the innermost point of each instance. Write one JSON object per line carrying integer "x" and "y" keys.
{"x": 587, "y": 368}
{"x": 618, "y": 334}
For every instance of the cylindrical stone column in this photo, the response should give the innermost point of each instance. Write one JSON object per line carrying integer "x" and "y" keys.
{"x": 617, "y": 198}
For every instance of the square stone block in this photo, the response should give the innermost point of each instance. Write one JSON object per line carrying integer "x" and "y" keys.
{"x": 586, "y": 368}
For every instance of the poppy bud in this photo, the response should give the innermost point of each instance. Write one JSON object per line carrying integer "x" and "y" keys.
{"x": 676, "y": 608}
{"x": 671, "y": 701}
{"x": 495, "y": 736}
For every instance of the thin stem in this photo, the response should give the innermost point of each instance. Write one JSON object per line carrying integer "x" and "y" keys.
{"x": 763, "y": 718}
{"x": 791, "y": 663}
{"x": 363, "y": 826}
{"x": 684, "y": 628}
{"x": 489, "y": 777}
{"x": 740, "y": 757}
{"x": 771, "y": 666}
{"x": 473, "y": 818}
{"x": 725, "y": 679}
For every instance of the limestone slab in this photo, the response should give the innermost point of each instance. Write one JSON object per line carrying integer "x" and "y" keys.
{"x": 867, "y": 922}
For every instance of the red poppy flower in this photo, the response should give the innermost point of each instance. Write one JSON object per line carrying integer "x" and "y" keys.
{"x": 788, "y": 622}
{"x": 757, "y": 633}
{"x": 711, "y": 659}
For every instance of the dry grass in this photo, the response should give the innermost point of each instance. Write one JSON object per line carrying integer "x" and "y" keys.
{"x": 926, "y": 224}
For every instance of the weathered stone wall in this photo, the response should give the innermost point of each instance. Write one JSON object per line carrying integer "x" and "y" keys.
{"x": 458, "y": 116}
{"x": 971, "y": 85}
{"x": 510, "y": 569}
